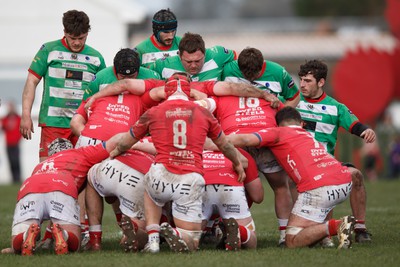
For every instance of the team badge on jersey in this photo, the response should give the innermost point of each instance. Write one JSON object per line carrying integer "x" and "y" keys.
{"x": 60, "y": 55}
{"x": 74, "y": 56}
{"x": 309, "y": 106}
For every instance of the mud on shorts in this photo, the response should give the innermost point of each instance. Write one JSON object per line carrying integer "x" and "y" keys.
{"x": 230, "y": 201}
{"x": 314, "y": 205}
{"x": 114, "y": 178}
{"x": 266, "y": 161}
{"x": 45, "y": 206}
{"x": 185, "y": 191}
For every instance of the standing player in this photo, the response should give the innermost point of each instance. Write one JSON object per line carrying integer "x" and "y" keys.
{"x": 51, "y": 194}
{"x": 67, "y": 66}
{"x": 322, "y": 182}
{"x": 178, "y": 128}
{"x": 164, "y": 42}
{"x": 323, "y": 116}
{"x": 202, "y": 64}
{"x": 251, "y": 68}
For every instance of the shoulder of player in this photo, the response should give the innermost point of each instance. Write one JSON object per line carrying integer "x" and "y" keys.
{"x": 146, "y": 73}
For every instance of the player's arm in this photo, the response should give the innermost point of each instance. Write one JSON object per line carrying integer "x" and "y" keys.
{"x": 28, "y": 96}
{"x": 120, "y": 144}
{"x": 133, "y": 86}
{"x": 244, "y": 90}
{"x": 292, "y": 102}
{"x": 243, "y": 140}
{"x": 231, "y": 153}
{"x": 77, "y": 124}
{"x": 364, "y": 132}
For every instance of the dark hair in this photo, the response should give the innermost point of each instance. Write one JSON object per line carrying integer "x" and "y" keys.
{"x": 126, "y": 61}
{"x": 314, "y": 67}
{"x": 76, "y": 22}
{"x": 191, "y": 43}
{"x": 288, "y": 114}
{"x": 250, "y": 63}
{"x": 164, "y": 20}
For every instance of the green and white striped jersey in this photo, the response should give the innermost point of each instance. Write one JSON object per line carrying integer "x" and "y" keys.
{"x": 323, "y": 117}
{"x": 65, "y": 76}
{"x": 149, "y": 51}
{"x": 108, "y": 76}
{"x": 214, "y": 60}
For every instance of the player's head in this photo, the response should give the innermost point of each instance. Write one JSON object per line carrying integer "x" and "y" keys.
{"x": 164, "y": 21}
{"x": 250, "y": 63}
{"x": 316, "y": 68}
{"x": 76, "y": 29}
{"x": 288, "y": 116}
{"x": 126, "y": 63}
{"x": 192, "y": 51}
{"x": 76, "y": 22}
{"x": 59, "y": 144}
{"x": 177, "y": 84}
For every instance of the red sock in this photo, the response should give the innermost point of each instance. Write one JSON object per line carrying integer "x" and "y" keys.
{"x": 118, "y": 216}
{"x": 244, "y": 234}
{"x": 73, "y": 242}
{"x": 17, "y": 242}
{"x": 95, "y": 237}
{"x": 282, "y": 228}
{"x": 333, "y": 225}
{"x": 135, "y": 226}
{"x": 48, "y": 234}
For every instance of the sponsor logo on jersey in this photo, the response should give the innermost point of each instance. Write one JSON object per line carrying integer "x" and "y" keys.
{"x": 323, "y": 107}
{"x": 87, "y": 58}
{"x": 226, "y": 51}
{"x": 73, "y": 74}
{"x": 42, "y": 47}
{"x": 291, "y": 84}
{"x": 349, "y": 111}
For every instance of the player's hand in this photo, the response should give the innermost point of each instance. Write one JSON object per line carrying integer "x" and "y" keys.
{"x": 240, "y": 172}
{"x": 197, "y": 95}
{"x": 89, "y": 103}
{"x": 26, "y": 127}
{"x": 115, "y": 152}
{"x": 368, "y": 135}
{"x": 273, "y": 99}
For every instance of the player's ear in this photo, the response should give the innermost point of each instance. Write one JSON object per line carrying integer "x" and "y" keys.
{"x": 303, "y": 124}
{"x": 321, "y": 82}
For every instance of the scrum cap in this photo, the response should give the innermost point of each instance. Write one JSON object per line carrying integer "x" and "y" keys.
{"x": 59, "y": 144}
{"x": 126, "y": 62}
{"x": 177, "y": 83}
{"x": 164, "y": 20}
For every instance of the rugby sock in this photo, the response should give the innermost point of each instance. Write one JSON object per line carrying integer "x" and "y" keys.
{"x": 95, "y": 233}
{"x": 47, "y": 234}
{"x": 332, "y": 226}
{"x": 73, "y": 241}
{"x": 360, "y": 224}
{"x": 17, "y": 242}
{"x": 118, "y": 216}
{"x": 282, "y": 229}
{"x": 153, "y": 231}
{"x": 244, "y": 234}
{"x": 85, "y": 224}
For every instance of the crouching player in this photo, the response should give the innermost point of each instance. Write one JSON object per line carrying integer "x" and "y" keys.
{"x": 119, "y": 179}
{"x": 322, "y": 182}
{"x": 224, "y": 193}
{"x": 51, "y": 194}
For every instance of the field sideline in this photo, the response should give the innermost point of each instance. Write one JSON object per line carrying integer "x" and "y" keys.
{"x": 383, "y": 221}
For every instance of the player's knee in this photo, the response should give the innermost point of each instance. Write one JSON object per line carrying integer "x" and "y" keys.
{"x": 357, "y": 177}
{"x": 291, "y": 232}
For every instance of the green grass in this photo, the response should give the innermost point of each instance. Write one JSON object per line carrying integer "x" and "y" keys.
{"x": 383, "y": 220}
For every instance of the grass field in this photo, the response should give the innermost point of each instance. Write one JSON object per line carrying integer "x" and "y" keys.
{"x": 383, "y": 220}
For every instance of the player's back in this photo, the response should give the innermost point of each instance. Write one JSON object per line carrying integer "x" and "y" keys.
{"x": 179, "y": 129}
